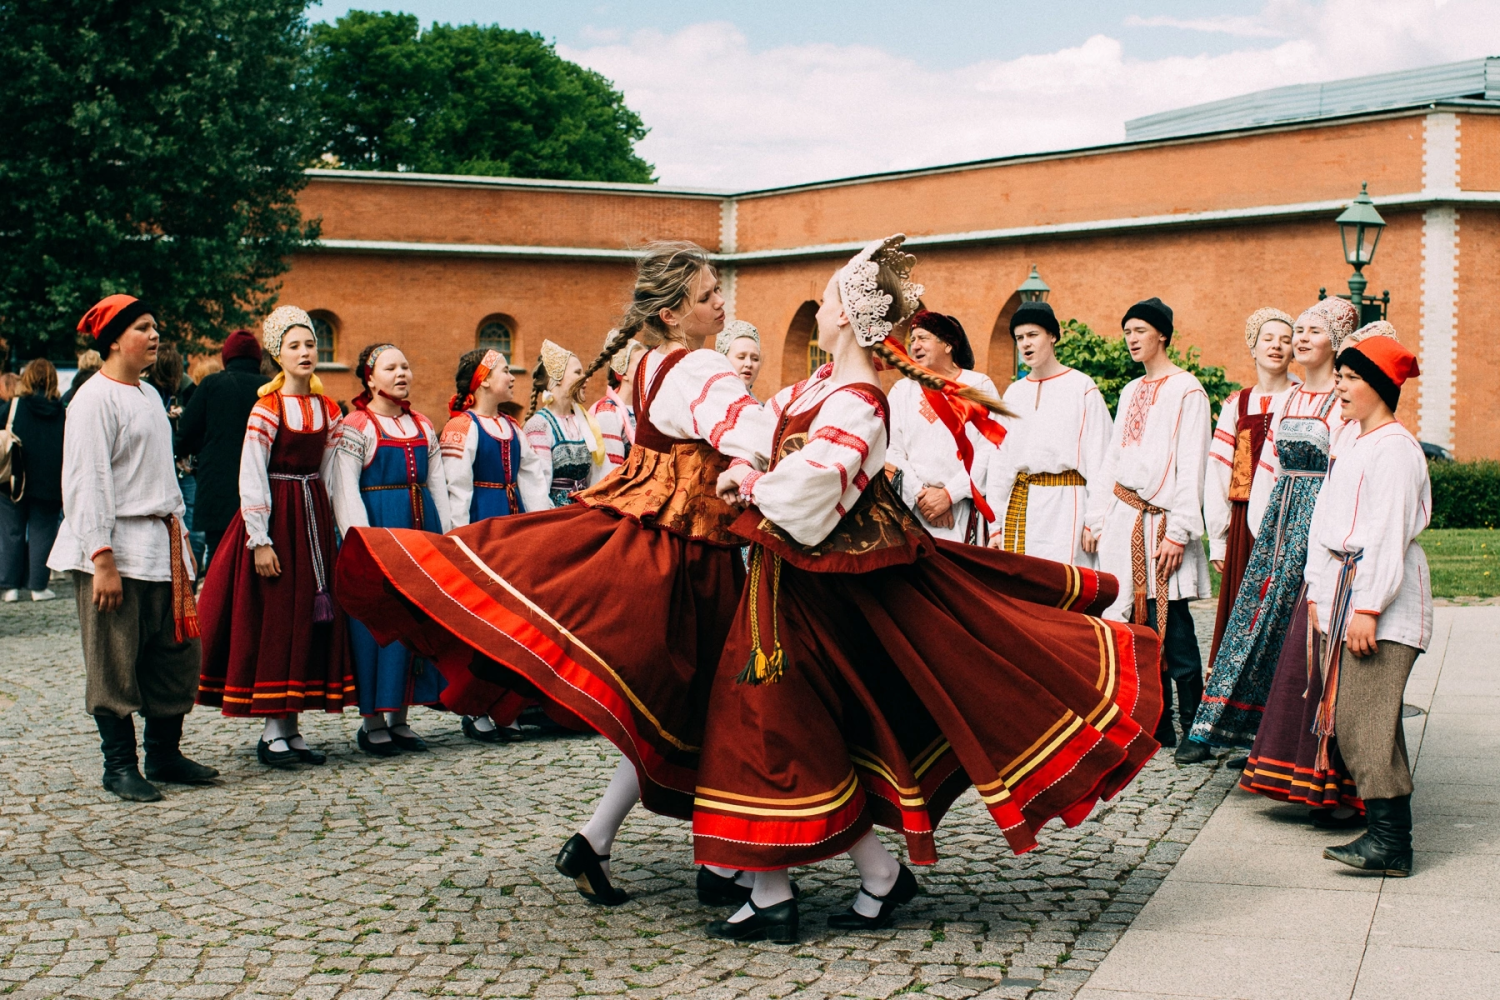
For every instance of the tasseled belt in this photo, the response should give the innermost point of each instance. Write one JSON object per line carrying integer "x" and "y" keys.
{"x": 760, "y": 668}
{"x": 323, "y": 600}
{"x": 184, "y": 607}
{"x": 511, "y": 495}
{"x": 1338, "y": 622}
{"x": 1138, "y": 558}
{"x": 414, "y": 494}
{"x": 1014, "y": 539}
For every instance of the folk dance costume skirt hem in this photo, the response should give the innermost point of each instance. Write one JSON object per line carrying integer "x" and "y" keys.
{"x": 1283, "y": 761}
{"x": 904, "y": 686}
{"x": 613, "y": 625}
{"x": 263, "y": 652}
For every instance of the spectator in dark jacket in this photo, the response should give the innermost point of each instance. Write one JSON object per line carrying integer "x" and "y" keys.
{"x": 29, "y": 526}
{"x": 89, "y": 362}
{"x": 213, "y": 428}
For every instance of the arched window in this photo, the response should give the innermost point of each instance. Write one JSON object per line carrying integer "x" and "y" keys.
{"x": 801, "y": 345}
{"x": 816, "y": 356}
{"x": 326, "y": 327}
{"x": 495, "y": 334}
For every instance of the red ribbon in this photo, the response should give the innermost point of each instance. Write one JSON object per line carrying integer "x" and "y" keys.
{"x": 955, "y": 411}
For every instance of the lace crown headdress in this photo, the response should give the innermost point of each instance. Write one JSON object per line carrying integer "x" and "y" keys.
{"x": 864, "y": 303}
{"x": 620, "y": 363}
{"x": 282, "y": 319}
{"x": 1339, "y": 314}
{"x": 1260, "y": 318}
{"x": 555, "y": 361}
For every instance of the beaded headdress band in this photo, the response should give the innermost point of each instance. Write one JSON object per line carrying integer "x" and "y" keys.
{"x": 1260, "y": 318}
{"x": 375, "y": 352}
{"x": 734, "y": 330}
{"x": 1339, "y": 314}
{"x": 555, "y": 361}
{"x": 864, "y": 303}
{"x": 282, "y": 319}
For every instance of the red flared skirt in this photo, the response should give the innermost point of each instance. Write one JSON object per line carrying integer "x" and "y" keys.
{"x": 904, "y": 686}
{"x": 1283, "y": 761}
{"x": 613, "y": 623}
{"x": 263, "y": 654}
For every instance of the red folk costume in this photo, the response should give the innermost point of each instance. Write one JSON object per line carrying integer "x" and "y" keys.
{"x": 875, "y": 672}
{"x": 279, "y": 645}
{"x": 911, "y": 668}
{"x": 516, "y": 601}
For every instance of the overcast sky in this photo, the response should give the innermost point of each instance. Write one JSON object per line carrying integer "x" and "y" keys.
{"x": 741, "y": 96}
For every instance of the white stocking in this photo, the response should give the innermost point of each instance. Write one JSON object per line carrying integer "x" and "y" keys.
{"x": 397, "y": 720}
{"x": 877, "y": 873}
{"x": 620, "y": 796}
{"x": 770, "y": 888}
{"x": 375, "y": 729}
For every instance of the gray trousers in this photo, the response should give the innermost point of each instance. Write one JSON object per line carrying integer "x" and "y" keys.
{"x": 1367, "y": 718}
{"x": 133, "y": 660}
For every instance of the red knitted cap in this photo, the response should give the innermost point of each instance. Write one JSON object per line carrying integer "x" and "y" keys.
{"x": 110, "y": 317}
{"x": 1390, "y": 357}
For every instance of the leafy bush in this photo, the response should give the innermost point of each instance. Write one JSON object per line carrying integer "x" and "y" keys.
{"x": 1465, "y": 494}
{"x": 1107, "y": 361}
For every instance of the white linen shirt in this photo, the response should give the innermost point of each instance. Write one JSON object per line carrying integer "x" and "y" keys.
{"x": 1375, "y": 501}
{"x": 119, "y": 481}
{"x": 923, "y": 449}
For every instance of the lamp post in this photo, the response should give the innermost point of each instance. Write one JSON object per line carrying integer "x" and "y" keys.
{"x": 1033, "y": 289}
{"x": 1360, "y": 226}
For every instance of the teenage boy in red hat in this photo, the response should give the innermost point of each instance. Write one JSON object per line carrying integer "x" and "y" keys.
{"x": 1368, "y": 593}
{"x": 123, "y": 542}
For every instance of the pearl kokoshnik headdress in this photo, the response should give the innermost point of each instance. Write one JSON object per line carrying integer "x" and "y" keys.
{"x": 864, "y": 303}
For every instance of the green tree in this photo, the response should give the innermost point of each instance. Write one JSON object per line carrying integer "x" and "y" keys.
{"x": 467, "y": 99}
{"x": 1107, "y": 361}
{"x": 154, "y": 149}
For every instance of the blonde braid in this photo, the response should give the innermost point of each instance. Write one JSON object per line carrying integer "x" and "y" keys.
{"x": 615, "y": 346}
{"x": 932, "y": 380}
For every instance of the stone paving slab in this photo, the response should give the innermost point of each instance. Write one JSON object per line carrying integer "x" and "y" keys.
{"x": 431, "y": 874}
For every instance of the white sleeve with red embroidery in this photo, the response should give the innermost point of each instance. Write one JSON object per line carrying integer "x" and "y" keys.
{"x": 611, "y": 425}
{"x": 1218, "y": 475}
{"x": 539, "y": 443}
{"x": 255, "y": 480}
{"x": 355, "y": 449}
{"x": 812, "y": 488}
{"x": 437, "y": 477}
{"x": 459, "y": 446}
{"x": 704, "y": 400}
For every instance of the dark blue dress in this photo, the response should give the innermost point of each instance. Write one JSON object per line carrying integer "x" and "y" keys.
{"x": 393, "y": 487}
{"x": 496, "y": 466}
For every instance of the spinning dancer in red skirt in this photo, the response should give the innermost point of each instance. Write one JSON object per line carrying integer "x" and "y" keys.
{"x": 517, "y": 601}
{"x": 875, "y": 673}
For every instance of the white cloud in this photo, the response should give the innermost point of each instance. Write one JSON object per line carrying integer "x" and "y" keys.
{"x": 1243, "y": 27}
{"x": 726, "y": 116}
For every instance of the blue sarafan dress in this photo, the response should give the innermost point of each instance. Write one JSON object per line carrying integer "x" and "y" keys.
{"x": 1240, "y": 682}
{"x": 398, "y": 479}
{"x": 497, "y": 473}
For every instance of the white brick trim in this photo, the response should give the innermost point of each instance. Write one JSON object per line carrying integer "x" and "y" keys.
{"x": 1439, "y": 333}
{"x": 726, "y": 288}
{"x": 1440, "y": 152}
{"x": 729, "y": 224}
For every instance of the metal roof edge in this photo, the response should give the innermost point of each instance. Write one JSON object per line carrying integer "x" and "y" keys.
{"x": 518, "y": 183}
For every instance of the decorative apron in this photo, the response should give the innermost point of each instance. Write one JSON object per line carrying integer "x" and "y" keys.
{"x": 571, "y": 462}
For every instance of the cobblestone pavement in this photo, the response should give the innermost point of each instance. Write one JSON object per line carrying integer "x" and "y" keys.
{"x": 431, "y": 875}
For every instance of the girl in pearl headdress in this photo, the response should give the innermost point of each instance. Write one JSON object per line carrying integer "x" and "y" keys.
{"x": 275, "y": 643}
{"x": 559, "y": 429}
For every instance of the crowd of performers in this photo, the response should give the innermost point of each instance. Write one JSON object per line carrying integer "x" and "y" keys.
{"x": 836, "y": 609}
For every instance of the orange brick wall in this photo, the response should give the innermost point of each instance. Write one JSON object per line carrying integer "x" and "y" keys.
{"x": 1247, "y": 171}
{"x": 417, "y": 213}
{"x": 1476, "y": 431}
{"x": 1479, "y": 152}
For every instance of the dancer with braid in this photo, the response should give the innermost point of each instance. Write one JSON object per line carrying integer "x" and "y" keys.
{"x": 491, "y": 472}
{"x": 516, "y": 601}
{"x": 875, "y": 673}
{"x": 614, "y": 415}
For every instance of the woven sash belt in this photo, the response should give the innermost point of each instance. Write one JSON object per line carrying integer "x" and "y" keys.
{"x": 322, "y": 600}
{"x": 1014, "y": 538}
{"x": 1138, "y": 558}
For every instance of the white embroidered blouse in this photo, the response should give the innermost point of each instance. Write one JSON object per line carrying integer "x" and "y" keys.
{"x": 357, "y": 445}
{"x": 460, "y": 443}
{"x": 303, "y": 413}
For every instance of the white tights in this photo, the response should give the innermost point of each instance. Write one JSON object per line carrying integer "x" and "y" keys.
{"x": 281, "y": 729}
{"x": 877, "y": 875}
{"x": 620, "y": 796}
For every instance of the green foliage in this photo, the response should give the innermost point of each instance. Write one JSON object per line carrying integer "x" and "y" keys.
{"x": 1465, "y": 494}
{"x": 1107, "y": 361}
{"x": 467, "y": 99}
{"x": 154, "y": 149}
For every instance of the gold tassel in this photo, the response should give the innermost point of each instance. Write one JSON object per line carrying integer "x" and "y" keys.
{"x": 760, "y": 668}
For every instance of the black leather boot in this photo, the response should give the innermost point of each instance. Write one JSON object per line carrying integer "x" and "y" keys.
{"x": 1192, "y": 752}
{"x": 1189, "y": 694}
{"x": 1386, "y": 844}
{"x": 1165, "y": 734}
{"x": 164, "y": 759}
{"x": 117, "y": 740}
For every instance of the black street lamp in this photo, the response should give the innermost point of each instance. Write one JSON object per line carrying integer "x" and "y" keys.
{"x": 1360, "y": 226}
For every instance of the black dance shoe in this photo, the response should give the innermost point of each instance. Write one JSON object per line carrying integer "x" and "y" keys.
{"x": 578, "y": 861}
{"x": 716, "y": 890}
{"x": 500, "y": 734}
{"x": 1237, "y": 763}
{"x": 412, "y": 743}
{"x": 387, "y": 749}
{"x": 1324, "y": 819}
{"x": 776, "y": 923}
{"x": 1192, "y": 752}
{"x": 902, "y": 892}
{"x": 307, "y": 755}
{"x": 1386, "y": 844}
{"x": 276, "y": 758}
